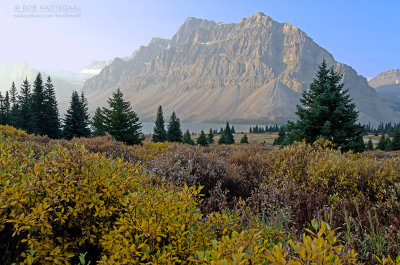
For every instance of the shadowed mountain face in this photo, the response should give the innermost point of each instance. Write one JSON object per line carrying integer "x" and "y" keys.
{"x": 387, "y": 84}
{"x": 254, "y": 71}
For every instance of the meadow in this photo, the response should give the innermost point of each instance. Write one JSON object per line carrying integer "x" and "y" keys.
{"x": 100, "y": 201}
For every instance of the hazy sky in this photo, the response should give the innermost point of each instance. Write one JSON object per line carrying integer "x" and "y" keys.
{"x": 362, "y": 33}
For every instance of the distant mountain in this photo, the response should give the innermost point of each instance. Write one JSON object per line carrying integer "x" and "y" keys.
{"x": 64, "y": 81}
{"x": 252, "y": 71}
{"x": 387, "y": 84}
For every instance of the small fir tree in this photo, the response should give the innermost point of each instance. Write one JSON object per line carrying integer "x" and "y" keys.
{"x": 244, "y": 139}
{"x": 76, "y": 120}
{"x": 210, "y": 137}
{"x": 160, "y": 134}
{"x": 281, "y": 136}
{"x": 227, "y": 136}
{"x": 370, "y": 145}
{"x": 121, "y": 121}
{"x": 202, "y": 139}
{"x": 174, "y": 132}
{"x": 98, "y": 123}
{"x": 187, "y": 139}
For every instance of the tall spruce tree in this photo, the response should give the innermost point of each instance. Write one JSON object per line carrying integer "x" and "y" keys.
{"x": 51, "y": 121}
{"x": 187, "y": 139}
{"x": 174, "y": 132}
{"x": 38, "y": 106}
{"x": 13, "y": 93}
{"x": 14, "y": 106}
{"x": 24, "y": 117}
{"x": 99, "y": 127}
{"x": 121, "y": 121}
{"x": 76, "y": 121}
{"x": 160, "y": 134}
{"x": 327, "y": 112}
{"x": 202, "y": 139}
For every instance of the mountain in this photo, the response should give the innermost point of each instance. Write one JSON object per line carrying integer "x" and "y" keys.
{"x": 251, "y": 71}
{"x": 387, "y": 84}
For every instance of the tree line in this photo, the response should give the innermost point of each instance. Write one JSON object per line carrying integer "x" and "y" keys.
{"x": 173, "y": 133}
{"x": 35, "y": 110}
{"x": 32, "y": 110}
{"x": 260, "y": 129}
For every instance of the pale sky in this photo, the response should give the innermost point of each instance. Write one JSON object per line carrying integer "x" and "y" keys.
{"x": 363, "y": 34}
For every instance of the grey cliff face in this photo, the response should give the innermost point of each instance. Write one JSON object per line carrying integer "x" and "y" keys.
{"x": 255, "y": 70}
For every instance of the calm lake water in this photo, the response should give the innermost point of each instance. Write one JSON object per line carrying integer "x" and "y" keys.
{"x": 196, "y": 128}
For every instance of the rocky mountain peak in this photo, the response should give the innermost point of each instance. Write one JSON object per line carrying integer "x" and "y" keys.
{"x": 255, "y": 70}
{"x": 190, "y": 25}
{"x": 390, "y": 77}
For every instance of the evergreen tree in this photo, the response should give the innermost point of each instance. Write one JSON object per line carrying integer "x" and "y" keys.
{"x": 121, "y": 121}
{"x": 281, "y": 137}
{"x": 13, "y": 94}
{"x": 202, "y": 139}
{"x": 227, "y": 136}
{"x": 370, "y": 145}
{"x": 388, "y": 146}
{"x": 24, "y": 119}
{"x": 396, "y": 139}
{"x": 51, "y": 120}
{"x": 187, "y": 139}
{"x": 85, "y": 110}
{"x": 327, "y": 112}
{"x": 160, "y": 134}
{"x": 384, "y": 143}
{"x": 76, "y": 120}
{"x": 98, "y": 123}
{"x": 5, "y": 109}
{"x": 210, "y": 137}
{"x": 2, "y": 111}
{"x": 14, "y": 111}
{"x": 233, "y": 129}
{"x": 222, "y": 139}
{"x": 174, "y": 132}
{"x": 38, "y": 106}
{"x": 244, "y": 139}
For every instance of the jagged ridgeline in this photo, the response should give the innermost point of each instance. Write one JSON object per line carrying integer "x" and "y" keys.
{"x": 254, "y": 70}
